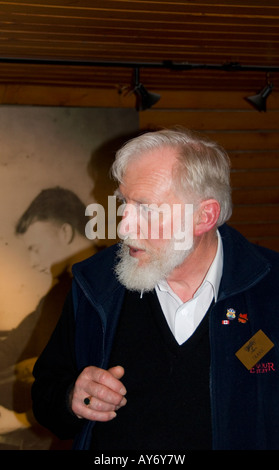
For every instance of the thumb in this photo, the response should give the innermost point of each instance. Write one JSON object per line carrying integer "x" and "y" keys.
{"x": 117, "y": 371}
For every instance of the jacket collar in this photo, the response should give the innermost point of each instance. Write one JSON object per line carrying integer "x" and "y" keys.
{"x": 96, "y": 277}
{"x": 244, "y": 265}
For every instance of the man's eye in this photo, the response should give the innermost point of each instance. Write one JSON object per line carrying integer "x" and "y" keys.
{"x": 121, "y": 200}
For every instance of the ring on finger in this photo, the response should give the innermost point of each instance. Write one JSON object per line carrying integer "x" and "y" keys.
{"x": 87, "y": 401}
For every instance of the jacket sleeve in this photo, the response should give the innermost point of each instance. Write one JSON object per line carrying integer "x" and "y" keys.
{"x": 55, "y": 373}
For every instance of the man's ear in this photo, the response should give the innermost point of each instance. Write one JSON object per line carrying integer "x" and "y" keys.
{"x": 206, "y": 216}
{"x": 66, "y": 233}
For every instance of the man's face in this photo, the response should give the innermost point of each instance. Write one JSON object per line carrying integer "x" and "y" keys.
{"x": 148, "y": 181}
{"x": 45, "y": 245}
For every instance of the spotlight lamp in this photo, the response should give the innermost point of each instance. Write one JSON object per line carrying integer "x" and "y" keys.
{"x": 144, "y": 98}
{"x": 259, "y": 100}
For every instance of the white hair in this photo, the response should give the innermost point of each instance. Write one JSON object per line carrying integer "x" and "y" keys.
{"x": 203, "y": 166}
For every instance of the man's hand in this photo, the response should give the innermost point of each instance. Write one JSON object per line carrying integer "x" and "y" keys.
{"x": 104, "y": 391}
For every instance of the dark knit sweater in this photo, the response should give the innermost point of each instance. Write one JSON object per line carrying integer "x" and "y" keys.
{"x": 168, "y": 403}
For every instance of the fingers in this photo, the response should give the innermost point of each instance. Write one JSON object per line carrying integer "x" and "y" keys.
{"x": 102, "y": 391}
{"x": 109, "y": 378}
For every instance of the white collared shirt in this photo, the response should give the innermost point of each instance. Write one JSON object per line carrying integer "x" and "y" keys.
{"x": 184, "y": 318}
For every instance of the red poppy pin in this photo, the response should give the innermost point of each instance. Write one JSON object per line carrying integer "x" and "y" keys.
{"x": 243, "y": 318}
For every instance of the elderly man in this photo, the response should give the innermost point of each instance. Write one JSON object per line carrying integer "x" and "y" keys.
{"x": 162, "y": 346}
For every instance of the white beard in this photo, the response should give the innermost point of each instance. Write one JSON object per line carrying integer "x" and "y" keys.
{"x": 145, "y": 278}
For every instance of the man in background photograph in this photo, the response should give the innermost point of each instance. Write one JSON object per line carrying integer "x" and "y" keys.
{"x": 52, "y": 229}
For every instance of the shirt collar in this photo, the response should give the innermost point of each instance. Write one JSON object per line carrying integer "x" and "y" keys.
{"x": 213, "y": 275}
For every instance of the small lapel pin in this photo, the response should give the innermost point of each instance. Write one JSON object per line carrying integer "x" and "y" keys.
{"x": 243, "y": 318}
{"x": 230, "y": 314}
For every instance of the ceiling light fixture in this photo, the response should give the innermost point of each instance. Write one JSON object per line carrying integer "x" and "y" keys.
{"x": 259, "y": 100}
{"x": 144, "y": 99}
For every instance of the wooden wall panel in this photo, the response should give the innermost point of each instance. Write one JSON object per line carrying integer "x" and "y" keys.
{"x": 45, "y": 95}
{"x": 153, "y": 31}
{"x": 252, "y": 140}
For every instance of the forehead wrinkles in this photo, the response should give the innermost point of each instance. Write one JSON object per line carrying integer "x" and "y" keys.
{"x": 147, "y": 187}
{"x": 152, "y": 172}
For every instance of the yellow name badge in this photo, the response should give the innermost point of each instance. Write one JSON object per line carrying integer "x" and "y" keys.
{"x": 252, "y": 351}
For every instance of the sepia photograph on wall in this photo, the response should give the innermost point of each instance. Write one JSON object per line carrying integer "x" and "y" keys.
{"x": 54, "y": 162}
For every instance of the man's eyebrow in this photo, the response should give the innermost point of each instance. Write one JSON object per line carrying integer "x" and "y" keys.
{"x": 119, "y": 195}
